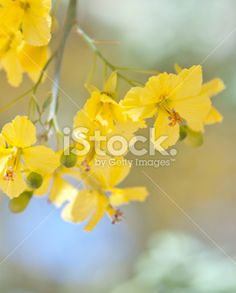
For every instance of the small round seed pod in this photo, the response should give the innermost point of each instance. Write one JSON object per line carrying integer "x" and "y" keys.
{"x": 34, "y": 180}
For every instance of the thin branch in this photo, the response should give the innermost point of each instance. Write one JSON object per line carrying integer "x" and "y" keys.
{"x": 69, "y": 23}
{"x": 92, "y": 44}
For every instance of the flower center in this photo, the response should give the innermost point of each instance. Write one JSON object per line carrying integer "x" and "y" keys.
{"x": 174, "y": 118}
{"x": 117, "y": 216}
{"x": 9, "y": 174}
{"x": 11, "y": 166}
{"x": 85, "y": 165}
{"x": 7, "y": 46}
{"x": 25, "y": 5}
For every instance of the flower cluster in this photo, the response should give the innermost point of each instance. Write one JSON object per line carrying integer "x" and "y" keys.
{"x": 75, "y": 183}
{"x": 25, "y": 31}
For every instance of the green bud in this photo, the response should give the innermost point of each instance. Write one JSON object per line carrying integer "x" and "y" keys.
{"x": 34, "y": 180}
{"x": 182, "y": 132}
{"x": 68, "y": 161}
{"x": 20, "y": 203}
{"x": 194, "y": 138}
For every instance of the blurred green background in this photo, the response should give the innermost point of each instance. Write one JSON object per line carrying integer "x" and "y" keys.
{"x": 42, "y": 254}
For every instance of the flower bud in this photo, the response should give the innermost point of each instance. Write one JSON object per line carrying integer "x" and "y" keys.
{"x": 68, "y": 161}
{"x": 20, "y": 203}
{"x": 182, "y": 132}
{"x": 194, "y": 138}
{"x": 34, "y": 180}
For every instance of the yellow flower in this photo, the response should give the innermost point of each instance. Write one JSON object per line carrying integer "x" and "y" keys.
{"x": 33, "y": 59}
{"x": 104, "y": 110}
{"x": 9, "y": 48}
{"x": 101, "y": 113}
{"x": 100, "y": 194}
{"x": 90, "y": 136}
{"x": 33, "y": 17}
{"x": 175, "y": 99}
{"x": 19, "y": 159}
{"x": 85, "y": 128}
{"x": 18, "y": 57}
{"x": 24, "y": 35}
{"x": 102, "y": 107}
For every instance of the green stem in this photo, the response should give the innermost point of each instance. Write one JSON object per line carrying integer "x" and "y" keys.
{"x": 139, "y": 70}
{"x": 35, "y": 88}
{"x": 94, "y": 48}
{"x": 15, "y": 101}
{"x": 69, "y": 23}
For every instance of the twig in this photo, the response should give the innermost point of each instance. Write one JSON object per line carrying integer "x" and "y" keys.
{"x": 92, "y": 44}
{"x": 69, "y": 23}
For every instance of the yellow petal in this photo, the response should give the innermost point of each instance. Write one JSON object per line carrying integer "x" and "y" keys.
{"x": 37, "y": 23}
{"x": 33, "y": 59}
{"x": 190, "y": 83}
{"x": 13, "y": 68}
{"x": 123, "y": 196}
{"x": 133, "y": 104}
{"x": 20, "y": 132}
{"x": 111, "y": 84}
{"x": 41, "y": 159}
{"x": 9, "y": 45}
{"x": 213, "y": 117}
{"x": 127, "y": 128}
{"x": 112, "y": 172}
{"x": 79, "y": 209}
{"x": 194, "y": 110}
{"x": 93, "y": 104}
{"x": 162, "y": 129}
{"x": 15, "y": 187}
{"x": 212, "y": 87}
{"x": 3, "y": 162}
{"x": 37, "y": 31}
{"x": 102, "y": 204}
{"x": 5, "y": 153}
{"x": 3, "y": 143}
{"x": 160, "y": 86}
{"x": 82, "y": 119}
{"x": 62, "y": 192}
{"x": 178, "y": 68}
{"x": 10, "y": 16}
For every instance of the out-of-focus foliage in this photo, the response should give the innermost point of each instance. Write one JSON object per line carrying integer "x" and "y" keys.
{"x": 178, "y": 263}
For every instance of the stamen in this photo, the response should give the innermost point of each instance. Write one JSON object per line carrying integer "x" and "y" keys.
{"x": 85, "y": 165}
{"x": 24, "y": 5}
{"x": 117, "y": 216}
{"x": 174, "y": 118}
{"x": 9, "y": 174}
